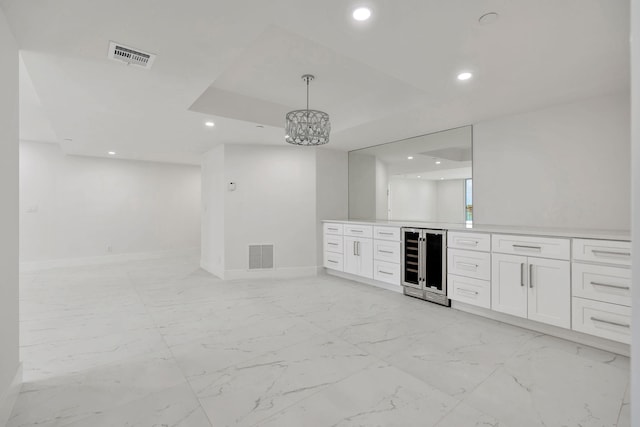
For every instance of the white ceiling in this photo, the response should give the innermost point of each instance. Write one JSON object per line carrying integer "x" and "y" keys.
{"x": 239, "y": 63}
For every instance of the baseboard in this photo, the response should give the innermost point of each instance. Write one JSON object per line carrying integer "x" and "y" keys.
{"x": 106, "y": 259}
{"x": 9, "y": 396}
{"x": 579, "y": 337}
{"x": 277, "y": 273}
{"x": 376, "y": 283}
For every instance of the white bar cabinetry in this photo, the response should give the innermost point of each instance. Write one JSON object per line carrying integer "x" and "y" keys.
{"x": 469, "y": 268}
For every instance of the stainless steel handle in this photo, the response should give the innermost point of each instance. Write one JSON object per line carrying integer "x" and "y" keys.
{"x": 355, "y": 231}
{"x": 522, "y": 274}
{"x": 531, "y": 276}
{"x": 607, "y": 285}
{"x": 385, "y": 272}
{"x": 596, "y": 251}
{"x": 537, "y": 248}
{"x": 354, "y": 248}
{"x": 384, "y": 233}
{"x": 468, "y": 242}
{"x": 468, "y": 291}
{"x": 358, "y": 248}
{"x": 332, "y": 229}
{"x": 385, "y": 252}
{"x": 468, "y": 264}
{"x": 609, "y": 322}
{"x": 332, "y": 244}
{"x": 330, "y": 260}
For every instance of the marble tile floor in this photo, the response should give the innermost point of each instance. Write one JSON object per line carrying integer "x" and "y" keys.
{"x": 163, "y": 343}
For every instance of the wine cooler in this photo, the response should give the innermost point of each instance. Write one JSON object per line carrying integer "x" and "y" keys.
{"x": 424, "y": 264}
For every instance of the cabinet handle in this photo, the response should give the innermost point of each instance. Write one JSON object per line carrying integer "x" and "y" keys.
{"x": 522, "y": 274}
{"x": 609, "y": 322}
{"x": 531, "y": 276}
{"x": 384, "y": 252}
{"x": 467, "y": 264}
{"x": 607, "y": 285}
{"x": 332, "y": 229}
{"x": 596, "y": 251}
{"x": 468, "y": 291}
{"x": 354, "y": 248}
{"x": 537, "y": 248}
{"x": 330, "y": 260}
{"x": 385, "y": 272}
{"x": 332, "y": 244}
{"x": 468, "y": 242}
{"x": 358, "y": 248}
{"x": 384, "y": 233}
{"x": 356, "y": 231}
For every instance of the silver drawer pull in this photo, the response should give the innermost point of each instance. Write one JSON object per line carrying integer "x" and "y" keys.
{"x": 596, "y": 251}
{"x": 384, "y": 233}
{"x": 356, "y": 231}
{"x": 468, "y": 291}
{"x": 332, "y": 244}
{"x": 468, "y": 242}
{"x": 467, "y": 264}
{"x": 536, "y": 248}
{"x": 332, "y": 229}
{"x": 609, "y": 322}
{"x": 330, "y": 260}
{"x": 607, "y": 285}
{"x": 385, "y": 272}
{"x": 385, "y": 252}
{"x": 522, "y": 268}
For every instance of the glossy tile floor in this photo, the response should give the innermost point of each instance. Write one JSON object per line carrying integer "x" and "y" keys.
{"x": 162, "y": 343}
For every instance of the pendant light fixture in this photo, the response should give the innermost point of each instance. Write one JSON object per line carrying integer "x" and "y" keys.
{"x": 307, "y": 127}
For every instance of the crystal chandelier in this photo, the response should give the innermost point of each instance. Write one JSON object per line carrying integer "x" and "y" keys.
{"x": 307, "y": 127}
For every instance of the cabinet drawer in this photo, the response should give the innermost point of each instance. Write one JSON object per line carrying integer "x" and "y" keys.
{"x": 333, "y": 243}
{"x": 469, "y": 264}
{"x": 386, "y": 233}
{"x": 602, "y": 283}
{"x": 333, "y": 228}
{"x": 543, "y": 247}
{"x": 358, "y": 230}
{"x": 386, "y": 272}
{"x": 333, "y": 261}
{"x": 470, "y": 241}
{"x": 604, "y": 251}
{"x": 386, "y": 251}
{"x": 602, "y": 319}
{"x": 470, "y": 291}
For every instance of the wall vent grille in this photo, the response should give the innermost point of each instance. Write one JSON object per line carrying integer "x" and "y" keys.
{"x": 260, "y": 257}
{"x": 128, "y": 55}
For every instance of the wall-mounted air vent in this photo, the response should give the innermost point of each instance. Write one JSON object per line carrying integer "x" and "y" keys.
{"x": 130, "y": 56}
{"x": 260, "y": 256}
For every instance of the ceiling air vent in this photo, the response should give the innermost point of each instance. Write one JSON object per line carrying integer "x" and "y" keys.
{"x": 130, "y": 56}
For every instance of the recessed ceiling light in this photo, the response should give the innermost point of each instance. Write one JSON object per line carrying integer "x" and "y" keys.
{"x": 112, "y": 153}
{"x": 488, "y": 18}
{"x": 438, "y": 162}
{"x": 441, "y": 178}
{"x": 419, "y": 176}
{"x": 410, "y": 158}
{"x": 362, "y": 14}
{"x": 464, "y": 76}
{"x": 209, "y": 124}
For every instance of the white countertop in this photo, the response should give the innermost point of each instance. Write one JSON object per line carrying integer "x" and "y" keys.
{"x": 538, "y": 231}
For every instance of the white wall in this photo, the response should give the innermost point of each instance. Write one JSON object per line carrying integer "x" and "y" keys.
{"x": 77, "y": 207}
{"x": 8, "y": 215}
{"x": 635, "y": 226}
{"x": 413, "y": 199}
{"x": 213, "y": 191}
{"x": 562, "y": 166}
{"x": 451, "y": 200}
{"x": 332, "y": 191}
{"x": 382, "y": 186}
{"x": 362, "y": 186}
{"x": 274, "y": 202}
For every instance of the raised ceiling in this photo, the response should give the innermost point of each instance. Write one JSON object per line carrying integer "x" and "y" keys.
{"x": 239, "y": 62}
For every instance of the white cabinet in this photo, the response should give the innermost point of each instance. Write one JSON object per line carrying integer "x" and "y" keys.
{"x": 471, "y": 241}
{"x": 358, "y": 256}
{"x": 469, "y": 268}
{"x": 534, "y": 288}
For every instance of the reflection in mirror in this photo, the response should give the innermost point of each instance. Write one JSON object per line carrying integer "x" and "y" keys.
{"x": 426, "y": 178}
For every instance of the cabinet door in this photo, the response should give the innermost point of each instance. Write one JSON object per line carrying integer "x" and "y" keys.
{"x": 509, "y": 284}
{"x": 365, "y": 253}
{"x": 549, "y": 291}
{"x": 351, "y": 259}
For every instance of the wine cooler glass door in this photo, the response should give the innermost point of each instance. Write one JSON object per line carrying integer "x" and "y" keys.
{"x": 411, "y": 254}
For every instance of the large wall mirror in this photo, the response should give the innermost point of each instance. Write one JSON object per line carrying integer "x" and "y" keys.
{"x": 426, "y": 178}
